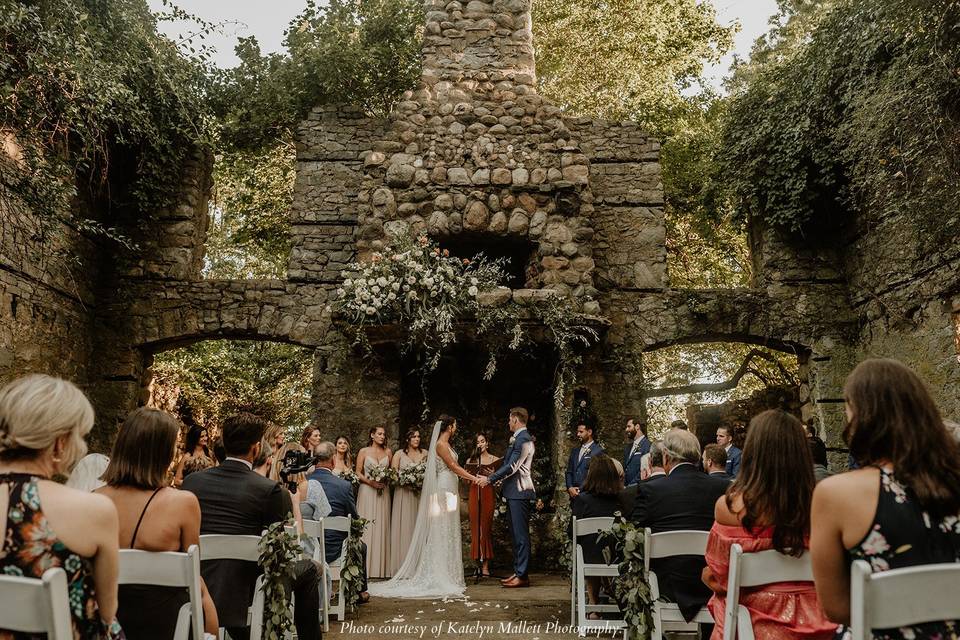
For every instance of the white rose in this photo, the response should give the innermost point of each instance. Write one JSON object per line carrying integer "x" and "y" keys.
{"x": 412, "y": 295}
{"x": 371, "y": 311}
{"x": 411, "y": 280}
{"x": 375, "y": 288}
{"x": 474, "y": 281}
{"x": 395, "y": 286}
{"x": 382, "y": 281}
{"x": 406, "y": 287}
{"x": 391, "y": 296}
{"x": 340, "y": 292}
{"x": 428, "y": 282}
{"x": 473, "y": 291}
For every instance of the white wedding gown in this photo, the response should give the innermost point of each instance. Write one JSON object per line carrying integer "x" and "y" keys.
{"x": 433, "y": 567}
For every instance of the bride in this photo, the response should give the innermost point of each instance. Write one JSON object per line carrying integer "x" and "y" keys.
{"x": 433, "y": 567}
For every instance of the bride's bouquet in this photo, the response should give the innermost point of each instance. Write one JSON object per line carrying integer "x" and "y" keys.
{"x": 411, "y": 477}
{"x": 384, "y": 475}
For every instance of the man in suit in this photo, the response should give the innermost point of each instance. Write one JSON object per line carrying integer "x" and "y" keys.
{"x": 637, "y": 446}
{"x": 651, "y": 468}
{"x": 579, "y": 460}
{"x": 339, "y": 494}
{"x": 715, "y": 462}
{"x": 234, "y": 500}
{"x": 683, "y": 499}
{"x": 519, "y": 491}
{"x": 725, "y": 440}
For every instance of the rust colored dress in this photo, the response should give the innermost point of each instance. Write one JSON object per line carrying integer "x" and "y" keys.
{"x": 483, "y": 501}
{"x": 782, "y": 611}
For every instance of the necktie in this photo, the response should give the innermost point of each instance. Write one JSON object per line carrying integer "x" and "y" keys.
{"x": 583, "y": 451}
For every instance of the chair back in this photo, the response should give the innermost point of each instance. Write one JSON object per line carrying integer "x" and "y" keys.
{"x": 902, "y": 597}
{"x": 34, "y": 606}
{"x": 757, "y": 569}
{"x": 215, "y": 546}
{"x": 586, "y": 526}
{"x": 673, "y": 543}
{"x": 337, "y": 523}
{"x": 166, "y": 569}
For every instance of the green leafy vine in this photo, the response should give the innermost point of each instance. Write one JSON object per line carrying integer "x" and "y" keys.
{"x": 631, "y": 589}
{"x": 352, "y": 570}
{"x": 278, "y": 551}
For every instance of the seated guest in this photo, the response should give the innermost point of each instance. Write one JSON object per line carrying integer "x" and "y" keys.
{"x": 234, "y": 500}
{"x": 264, "y": 460}
{"x": 725, "y": 440}
{"x": 681, "y": 500}
{"x": 715, "y": 461}
{"x": 901, "y": 508}
{"x": 579, "y": 460}
{"x": 43, "y": 421}
{"x": 85, "y": 475}
{"x": 768, "y": 508}
{"x": 153, "y": 517}
{"x": 339, "y": 495}
{"x": 679, "y": 424}
{"x": 193, "y": 465}
{"x": 599, "y": 498}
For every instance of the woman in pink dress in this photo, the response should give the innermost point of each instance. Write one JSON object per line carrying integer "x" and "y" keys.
{"x": 768, "y": 507}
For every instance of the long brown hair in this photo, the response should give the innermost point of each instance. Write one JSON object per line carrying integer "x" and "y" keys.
{"x": 305, "y": 437}
{"x": 602, "y": 479}
{"x": 348, "y": 456}
{"x": 143, "y": 450}
{"x": 776, "y": 480}
{"x": 896, "y": 420}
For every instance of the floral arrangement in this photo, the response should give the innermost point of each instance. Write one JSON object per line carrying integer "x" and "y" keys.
{"x": 278, "y": 551}
{"x": 385, "y": 475}
{"x": 411, "y": 476}
{"x": 353, "y": 563}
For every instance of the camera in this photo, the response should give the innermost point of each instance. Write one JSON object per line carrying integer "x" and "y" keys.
{"x": 295, "y": 462}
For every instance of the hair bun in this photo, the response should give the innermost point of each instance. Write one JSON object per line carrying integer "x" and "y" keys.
{"x": 8, "y": 441}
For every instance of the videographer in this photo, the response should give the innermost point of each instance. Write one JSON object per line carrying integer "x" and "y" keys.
{"x": 294, "y": 465}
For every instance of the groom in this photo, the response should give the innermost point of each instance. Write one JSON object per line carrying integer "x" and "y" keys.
{"x": 519, "y": 491}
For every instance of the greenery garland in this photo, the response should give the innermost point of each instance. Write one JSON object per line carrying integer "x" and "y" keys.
{"x": 631, "y": 589}
{"x": 278, "y": 551}
{"x": 352, "y": 570}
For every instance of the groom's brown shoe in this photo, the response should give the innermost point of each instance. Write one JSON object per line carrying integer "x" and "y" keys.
{"x": 517, "y": 583}
{"x": 506, "y": 580}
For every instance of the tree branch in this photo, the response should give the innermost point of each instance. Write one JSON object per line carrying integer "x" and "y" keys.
{"x": 708, "y": 387}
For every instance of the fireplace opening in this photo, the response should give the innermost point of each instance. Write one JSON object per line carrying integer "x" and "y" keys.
{"x": 519, "y": 255}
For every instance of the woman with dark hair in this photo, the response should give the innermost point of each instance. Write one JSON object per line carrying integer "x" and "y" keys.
{"x": 482, "y": 503}
{"x": 343, "y": 458}
{"x": 196, "y": 452}
{"x": 373, "y": 502}
{"x": 406, "y": 500}
{"x": 599, "y": 497}
{"x": 310, "y": 438}
{"x": 153, "y": 517}
{"x": 901, "y": 508}
{"x": 768, "y": 507}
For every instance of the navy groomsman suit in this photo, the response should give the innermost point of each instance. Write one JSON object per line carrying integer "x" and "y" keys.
{"x": 632, "y": 454}
{"x": 577, "y": 465}
{"x": 733, "y": 461}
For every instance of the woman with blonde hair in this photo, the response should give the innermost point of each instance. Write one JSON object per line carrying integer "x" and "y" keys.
{"x": 43, "y": 422}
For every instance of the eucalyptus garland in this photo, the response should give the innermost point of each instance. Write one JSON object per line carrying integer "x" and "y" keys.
{"x": 631, "y": 589}
{"x": 352, "y": 570}
{"x": 278, "y": 551}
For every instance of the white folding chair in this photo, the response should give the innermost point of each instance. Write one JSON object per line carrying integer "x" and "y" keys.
{"x": 315, "y": 529}
{"x": 665, "y": 545}
{"x": 337, "y": 523}
{"x": 168, "y": 569}
{"x": 755, "y": 570}
{"x": 581, "y": 571}
{"x": 225, "y": 547}
{"x": 901, "y": 597}
{"x": 36, "y": 605}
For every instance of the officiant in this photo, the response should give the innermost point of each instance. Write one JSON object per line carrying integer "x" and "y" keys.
{"x": 483, "y": 502}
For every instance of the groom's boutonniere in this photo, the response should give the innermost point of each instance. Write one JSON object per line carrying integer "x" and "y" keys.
{"x": 512, "y": 439}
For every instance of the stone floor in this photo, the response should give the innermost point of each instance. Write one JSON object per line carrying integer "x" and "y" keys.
{"x": 488, "y": 612}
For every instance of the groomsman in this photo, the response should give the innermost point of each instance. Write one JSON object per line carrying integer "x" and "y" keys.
{"x": 725, "y": 440}
{"x": 580, "y": 460}
{"x": 637, "y": 446}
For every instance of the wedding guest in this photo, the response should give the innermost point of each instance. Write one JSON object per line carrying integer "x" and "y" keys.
{"x": 263, "y": 463}
{"x": 311, "y": 438}
{"x": 579, "y": 460}
{"x": 768, "y": 508}
{"x": 236, "y": 501}
{"x": 153, "y": 517}
{"x": 43, "y": 422}
{"x": 638, "y": 445}
{"x": 901, "y": 508}
{"x": 725, "y": 440}
{"x": 654, "y": 467}
{"x": 339, "y": 493}
{"x": 683, "y": 499}
{"x": 343, "y": 460}
{"x": 679, "y": 424}
{"x": 600, "y": 498}
{"x": 373, "y": 503}
{"x": 195, "y": 448}
{"x": 715, "y": 461}
{"x": 406, "y": 500}
{"x": 85, "y": 475}
{"x": 482, "y": 502}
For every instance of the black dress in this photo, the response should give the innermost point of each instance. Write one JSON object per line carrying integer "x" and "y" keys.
{"x": 903, "y": 535}
{"x": 149, "y": 612}
{"x": 588, "y": 505}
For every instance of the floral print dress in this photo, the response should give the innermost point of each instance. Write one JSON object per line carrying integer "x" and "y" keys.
{"x": 904, "y": 535}
{"x": 30, "y": 547}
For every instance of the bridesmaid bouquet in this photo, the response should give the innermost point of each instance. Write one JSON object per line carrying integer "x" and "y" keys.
{"x": 351, "y": 476}
{"x": 411, "y": 477}
{"x": 386, "y": 475}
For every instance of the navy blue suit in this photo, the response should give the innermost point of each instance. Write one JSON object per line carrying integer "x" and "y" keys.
{"x": 733, "y": 461}
{"x": 339, "y": 494}
{"x": 577, "y": 466}
{"x": 519, "y": 491}
{"x": 631, "y": 463}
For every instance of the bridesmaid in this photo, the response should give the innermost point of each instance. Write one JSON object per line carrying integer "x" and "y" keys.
{"x": 343, "y": 458}
{"x": 482, "y": 503}
{"x": 373, "y": 503}
{"x": 311, "y": 438}
{"x": 406, "y": 501}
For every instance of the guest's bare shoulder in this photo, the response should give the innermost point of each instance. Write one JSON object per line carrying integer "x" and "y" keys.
{"x": 723, "y": 513}
{"x": 849, "y": 485}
